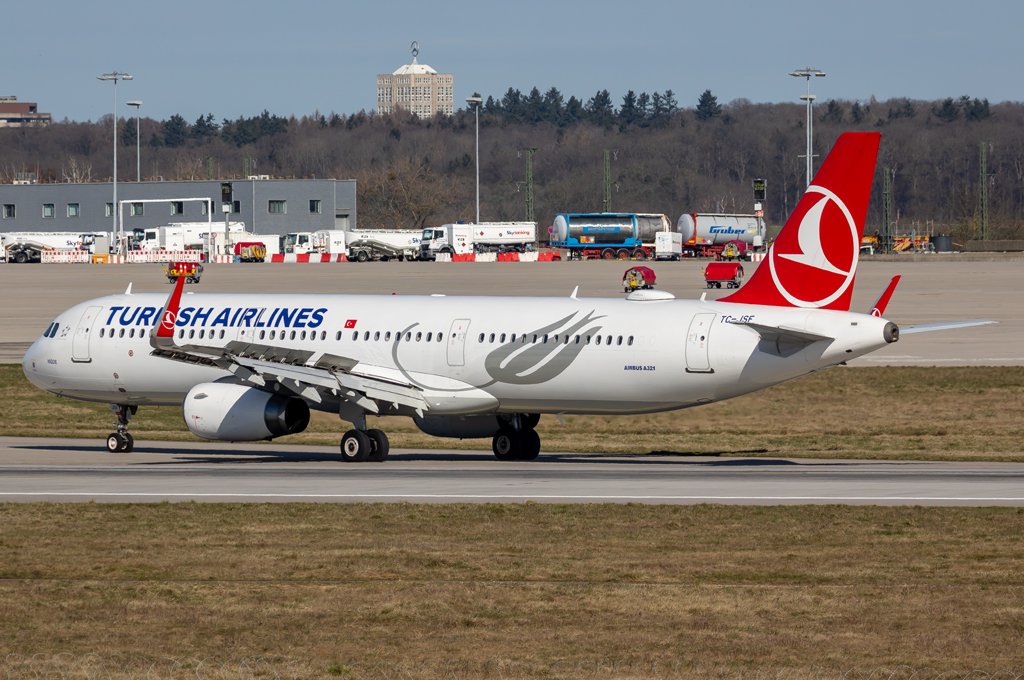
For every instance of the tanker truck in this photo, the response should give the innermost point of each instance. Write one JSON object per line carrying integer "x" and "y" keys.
{"x": 708, "y": 234}
{"x": 485, "y": 237}
{"x": 609, "y": 236}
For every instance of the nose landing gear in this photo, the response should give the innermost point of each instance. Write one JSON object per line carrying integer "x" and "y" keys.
{"x": 121, "y": 441}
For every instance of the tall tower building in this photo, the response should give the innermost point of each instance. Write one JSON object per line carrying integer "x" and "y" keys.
{"x": 416, "y": 88}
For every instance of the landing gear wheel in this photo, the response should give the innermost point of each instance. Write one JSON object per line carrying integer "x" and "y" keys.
{"x": 355, "y": 446}
{"x": 505, "y": 444}
{"x": 379, "y": 445}
{"x": 529, "y": 445}
{"x": 115, "y": 442}
{"x": 129, "y": 443}
{"x": 529, "y": 420}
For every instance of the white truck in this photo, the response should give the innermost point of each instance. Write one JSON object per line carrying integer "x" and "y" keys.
{"x": 178, "y": 236}
{"x": 28, "y": 246}
{"x": 329, "y": 241}
{"x": 485, "y": 237}
{"x": 383, "y": 244}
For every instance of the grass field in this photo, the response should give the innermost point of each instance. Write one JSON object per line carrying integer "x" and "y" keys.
{"x": 900, "y": 413}
{"x": 498, "y": 591}
{"x": 543, "y": 591}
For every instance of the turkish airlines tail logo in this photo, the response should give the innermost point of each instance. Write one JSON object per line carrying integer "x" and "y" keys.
{"x": 813, "y": 262}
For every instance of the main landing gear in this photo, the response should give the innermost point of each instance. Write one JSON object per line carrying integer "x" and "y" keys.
{"x": 121, "y": 441}
{"x": 516, "y": 439}
{"x": 362, "y": 445}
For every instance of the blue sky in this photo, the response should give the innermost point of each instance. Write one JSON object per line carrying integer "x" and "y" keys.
{"x": 301, "y": 56}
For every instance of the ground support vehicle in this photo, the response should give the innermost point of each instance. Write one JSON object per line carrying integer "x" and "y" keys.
{"x": 28, "y": 246}
{"x": 250, "y": 251}
{"x": 325, "y": 241}
{"x": 723, "y": 274}
{"x": 668, "y": 245}
{"x": 383, "y": 245}
{"x": 638, "y": 278}
{"x": 485, "y": 237}
{"x": 192, "y": 271}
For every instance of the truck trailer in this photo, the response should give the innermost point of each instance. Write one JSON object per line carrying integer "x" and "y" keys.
{"x": 383, "y": 244}
{"x": 706, "y": 234}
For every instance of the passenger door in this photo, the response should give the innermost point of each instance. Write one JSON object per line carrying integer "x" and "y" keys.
{"x": 80, "y": 343}
{"x": 697, "y": 341}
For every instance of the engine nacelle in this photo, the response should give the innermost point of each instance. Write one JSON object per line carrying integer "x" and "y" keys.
{"x": 233, "y": 412}
{"x": 459, "y": 427}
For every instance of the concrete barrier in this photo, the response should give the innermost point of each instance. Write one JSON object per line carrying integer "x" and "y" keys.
{"x": 1001, "y": 246}
{"x": 65, "y": 257}
{"x": 137, "y": 256}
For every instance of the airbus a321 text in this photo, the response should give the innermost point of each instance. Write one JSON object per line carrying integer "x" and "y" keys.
{"x": 250, "y": 367}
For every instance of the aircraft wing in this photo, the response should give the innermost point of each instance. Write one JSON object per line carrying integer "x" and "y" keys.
{"x": 943, "y": 326}
{"x": 313, "y": 376}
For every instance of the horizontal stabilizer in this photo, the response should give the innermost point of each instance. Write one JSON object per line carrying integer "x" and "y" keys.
{"x": 783, "y": 341}
{"x": 943, "y": 326}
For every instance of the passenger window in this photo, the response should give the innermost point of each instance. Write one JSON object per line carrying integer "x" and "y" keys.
{"x": 491, "y": 339}
{"x": 387, "y": 337}
{"x": 439, "y": 336}
{"x": 339, "y": 336}
{"x": 630, "y": 341}
{"x": 430, "y": 336}
{"x": 376, "y": 336}
{"x": 355, "y": 335}
{"x": 419, "y": 336}
{"x": 597, "y": 340}
{"x": 618, "y": 340}
{"x": 408, "y": 337}
{"x": 47, "y": 333}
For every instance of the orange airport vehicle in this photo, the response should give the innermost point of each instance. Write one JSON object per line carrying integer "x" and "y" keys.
{"x": 190, "y": 270}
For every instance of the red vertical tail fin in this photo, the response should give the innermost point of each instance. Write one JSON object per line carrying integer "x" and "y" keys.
{"x": 165, "y": 328}
{"x": 814, "y": 260}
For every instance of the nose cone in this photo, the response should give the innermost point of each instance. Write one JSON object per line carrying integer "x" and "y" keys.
{"x": 35, "y": 366}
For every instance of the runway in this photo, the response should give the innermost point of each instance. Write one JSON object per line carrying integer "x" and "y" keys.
{"x": 79, "y": 470}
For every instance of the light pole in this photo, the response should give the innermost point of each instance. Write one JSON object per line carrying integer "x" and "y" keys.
{"x": 137, "y": 104}
{"x": 475, "y": 102}
{"x": 115, "y": 76}
{"x": 809, "y": 73}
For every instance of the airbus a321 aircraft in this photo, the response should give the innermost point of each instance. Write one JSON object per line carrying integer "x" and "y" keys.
{"x": 250, "y": 367}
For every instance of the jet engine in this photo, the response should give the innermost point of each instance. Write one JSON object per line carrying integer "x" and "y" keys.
{"x": 233, "y": 412}
{"x": 459, "y": 427}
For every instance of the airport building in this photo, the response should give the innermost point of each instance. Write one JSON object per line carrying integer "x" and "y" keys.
{"x": 266, "y": 206}
{"x": 21, "y": 114}
{"x": 416, "y": 88}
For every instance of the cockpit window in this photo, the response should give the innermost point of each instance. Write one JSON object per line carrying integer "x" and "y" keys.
{"x": 51, "y": 330}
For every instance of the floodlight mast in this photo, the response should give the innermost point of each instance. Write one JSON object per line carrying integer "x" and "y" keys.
{"x": 809, "y": 73}
{"x": 475, "y": 102}
{"x": 115, "y": 76}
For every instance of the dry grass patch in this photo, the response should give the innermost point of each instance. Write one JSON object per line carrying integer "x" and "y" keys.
{"x": 887, "y": 412}
{"x": 508, "y": 591}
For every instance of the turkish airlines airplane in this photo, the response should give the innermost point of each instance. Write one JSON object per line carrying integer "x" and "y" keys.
{"x": 249, "y": 367}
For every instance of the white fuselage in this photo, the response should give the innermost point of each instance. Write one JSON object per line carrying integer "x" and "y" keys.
{"x": 474, "y": 354}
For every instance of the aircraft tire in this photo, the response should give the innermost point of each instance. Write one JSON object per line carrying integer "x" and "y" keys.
{"x": 529, "y": 420}
{"x": 355, "y": 446}
{"x": 379, "y": 445}
{"x": 129, "y": 443}
{"x": 505, "y": 444}
{"x": 115, "y": 442}
{"x": 529, "y": 447}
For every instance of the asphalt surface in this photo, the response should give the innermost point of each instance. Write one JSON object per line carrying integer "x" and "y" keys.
{"x": 79, "y": 470}
{"x": 934, "y": 288}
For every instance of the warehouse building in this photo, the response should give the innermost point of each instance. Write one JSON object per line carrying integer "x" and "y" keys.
{"x": 266, "y": 206}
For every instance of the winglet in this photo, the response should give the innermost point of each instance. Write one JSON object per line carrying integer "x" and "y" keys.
{"x": 170, "y": 314}
{"x": 883, "y": 299}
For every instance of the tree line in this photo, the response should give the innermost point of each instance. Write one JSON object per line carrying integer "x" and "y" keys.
{"x": 663, "y": 156}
